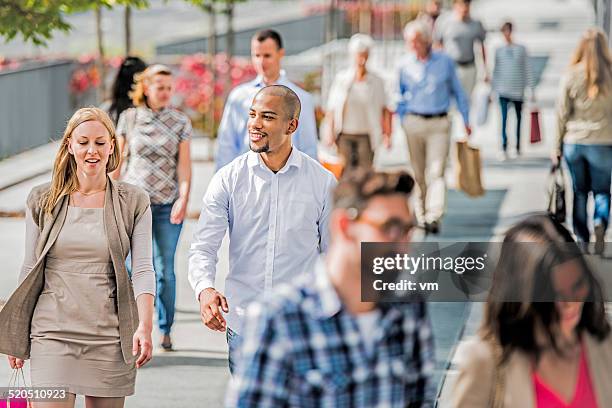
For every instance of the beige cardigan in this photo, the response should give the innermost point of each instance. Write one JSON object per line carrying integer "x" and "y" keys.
{"x": 581, "y": 120}
{"x": 474, "y": 385}
{"x": 124, "y": 206}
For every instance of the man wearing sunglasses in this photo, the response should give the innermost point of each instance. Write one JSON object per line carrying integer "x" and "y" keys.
{"x": 316, "y": 343}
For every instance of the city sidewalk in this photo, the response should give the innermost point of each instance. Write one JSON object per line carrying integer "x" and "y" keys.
{"x": 197, "y": 370}
{"x": 196, "y": 374}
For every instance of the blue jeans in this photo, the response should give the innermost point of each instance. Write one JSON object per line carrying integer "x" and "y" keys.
{"x": 165, "y": 240}
{"x": 233, "y": 343}
{"x": 591, "y": 168}
{"x": 518, "y": 107}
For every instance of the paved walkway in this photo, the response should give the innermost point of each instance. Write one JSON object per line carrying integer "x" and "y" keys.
{"x": 201, "y": 355}
{"x": 197, "y": 371}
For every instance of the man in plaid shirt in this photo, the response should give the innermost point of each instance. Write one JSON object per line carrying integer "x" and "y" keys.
{"x": 316, "y": 344}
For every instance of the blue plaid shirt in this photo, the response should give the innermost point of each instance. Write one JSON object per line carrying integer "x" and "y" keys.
{"x": 302, "y": 348}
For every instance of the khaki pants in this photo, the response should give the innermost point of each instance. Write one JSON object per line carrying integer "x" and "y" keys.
{"x": 429, "y": 145}
{"x": 467, "y": 77}
{"x": 355, "y": 150}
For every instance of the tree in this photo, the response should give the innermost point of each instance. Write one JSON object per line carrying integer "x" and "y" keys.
{"x": 127, "y": 26}
{"x": 37, "y": 20}
{"x": 34, "y": 20}
{"x": 127, "y": 20}
{"x": 211, "y": 8}
{"x": 229, "y": 45}
{"x": 97, "y": 6}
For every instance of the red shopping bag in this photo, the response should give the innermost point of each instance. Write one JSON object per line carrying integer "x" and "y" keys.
{"x": 15, "y": 383}
{"x": 535, "y": 134}
{"x": 14, "y": 403}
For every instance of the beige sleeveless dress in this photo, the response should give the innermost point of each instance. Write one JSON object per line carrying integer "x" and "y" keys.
{"x": 75, "y": 327}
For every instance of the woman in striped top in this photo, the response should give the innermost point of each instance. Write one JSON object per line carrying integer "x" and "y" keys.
{"x": 511, "y": 75}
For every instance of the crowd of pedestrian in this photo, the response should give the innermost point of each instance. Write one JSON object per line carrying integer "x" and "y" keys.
{"x": 101, "y": 238}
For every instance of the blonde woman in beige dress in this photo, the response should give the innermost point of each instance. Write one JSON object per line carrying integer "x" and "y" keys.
{"x": 76, "y": 314}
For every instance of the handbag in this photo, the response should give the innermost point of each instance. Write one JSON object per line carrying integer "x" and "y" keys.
{"x": 535, "y": 135}
{"x": 468, "y": 169}
{"x": 15, "y": 382}
{"x": 482, "y": 100}
{"x": 556, "y": 193}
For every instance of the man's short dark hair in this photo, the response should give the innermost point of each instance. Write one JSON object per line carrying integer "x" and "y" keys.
{"x": 358, "y": 186}
{"x": 263, "y": 35}
{"x": 462, "y": 1}
{"x": 507, "y": 26}
{"x": 291, "y": 102}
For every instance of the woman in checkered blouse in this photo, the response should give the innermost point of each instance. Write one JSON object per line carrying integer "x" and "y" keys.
{"x": 155, "y": 140}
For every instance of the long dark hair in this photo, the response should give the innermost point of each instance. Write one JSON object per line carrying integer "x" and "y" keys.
{"x": 524, "y": 275}
{"x": 122, "y": 86}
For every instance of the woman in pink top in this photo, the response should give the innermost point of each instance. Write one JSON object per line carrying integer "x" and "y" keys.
{"x": 584, "y": 397}
{"x": 545, "y": 340}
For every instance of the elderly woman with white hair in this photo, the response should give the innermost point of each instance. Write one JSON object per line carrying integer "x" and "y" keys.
{"x": 359, "y": 119}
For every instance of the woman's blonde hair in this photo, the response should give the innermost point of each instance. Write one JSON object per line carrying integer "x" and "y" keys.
{"x": 144, "y": 78}
{"x": 594, "y": 53}
{"x": 64, "y": 180}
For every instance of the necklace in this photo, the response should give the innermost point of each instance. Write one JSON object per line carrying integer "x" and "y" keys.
{"x": 92, "y": 192}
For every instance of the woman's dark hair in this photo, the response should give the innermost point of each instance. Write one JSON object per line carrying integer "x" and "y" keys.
{"x": 120, "y": 99}
{"x": 522, "y": 297}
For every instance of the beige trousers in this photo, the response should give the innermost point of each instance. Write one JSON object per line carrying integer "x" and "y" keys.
{"x": 355, "y": 150}
{"x": 467, "y": 76}
{"x": 429, "y": 145}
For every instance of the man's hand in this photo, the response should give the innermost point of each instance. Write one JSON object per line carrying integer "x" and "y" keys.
{"x": 468, "y": 130}
{"x": 555, "y": 157}
{"x": 15, "y": 362}
{"x": 211, "y": 305}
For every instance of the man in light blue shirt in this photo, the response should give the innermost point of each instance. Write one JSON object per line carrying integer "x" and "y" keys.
{"x": 276, "y": 202}
{"x": 232, "y": 137}
{"x": 427, "y": 82}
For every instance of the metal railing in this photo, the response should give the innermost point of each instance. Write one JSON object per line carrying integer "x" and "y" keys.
{"x": 34, "y": 106}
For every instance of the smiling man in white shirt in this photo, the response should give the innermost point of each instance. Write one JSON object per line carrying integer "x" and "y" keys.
{"x": 267, "y": 53}
{"x": 276, "y": 202}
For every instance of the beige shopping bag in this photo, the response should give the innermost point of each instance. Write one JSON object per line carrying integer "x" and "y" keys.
{"x": 468, "y": 169}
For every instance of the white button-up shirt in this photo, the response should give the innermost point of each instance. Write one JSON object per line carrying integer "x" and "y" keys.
{"x": 278, "y": 226}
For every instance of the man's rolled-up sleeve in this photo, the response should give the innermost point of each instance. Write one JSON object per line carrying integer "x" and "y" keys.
{"x": 212, "y": 225}
{"x": 324, "y": 235}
